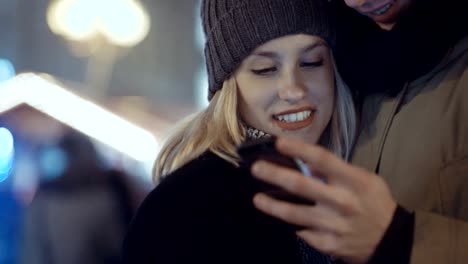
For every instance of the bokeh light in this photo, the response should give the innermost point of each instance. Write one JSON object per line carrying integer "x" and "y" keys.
{"x": 52, "y": 162}
{"x": 129, "y": 31}
{"x": 7, "y": 70}
{"x": 81, "y": 114}
{"x": 201, "y": 76}
{"x": 6, "y": 153}
{"x": 122, "y": 22}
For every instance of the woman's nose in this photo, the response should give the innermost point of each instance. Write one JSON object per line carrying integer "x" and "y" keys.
{"x": 292, "y": 88}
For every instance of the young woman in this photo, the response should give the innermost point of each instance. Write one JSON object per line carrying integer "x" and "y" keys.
{"x": 270, "y": 73}
{"x": 407, "y": 201}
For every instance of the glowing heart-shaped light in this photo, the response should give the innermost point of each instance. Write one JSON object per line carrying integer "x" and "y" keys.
{"x": 122, "y": 22}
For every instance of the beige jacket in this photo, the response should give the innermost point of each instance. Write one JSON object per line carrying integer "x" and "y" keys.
{"x": 418, "y": 142}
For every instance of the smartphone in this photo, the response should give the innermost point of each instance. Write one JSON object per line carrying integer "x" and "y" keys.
{"x": 264, "y": 149}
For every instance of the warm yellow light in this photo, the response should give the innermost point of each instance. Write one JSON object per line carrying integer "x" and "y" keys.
{"x": 79, "y": 21}
{"x": 54, "y": 13}
{"x": 73, "y": 19}
{"x": 129, "y": 31}
{"x": 122, "y": 22}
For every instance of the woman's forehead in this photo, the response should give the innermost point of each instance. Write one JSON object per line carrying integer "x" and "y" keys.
{"x": 299, "y": 42}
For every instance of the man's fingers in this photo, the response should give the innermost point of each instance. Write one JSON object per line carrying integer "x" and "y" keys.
{"x": 321, "y": 160}
{"x": 308, "y": 216}
{"x": 294, "y": 182}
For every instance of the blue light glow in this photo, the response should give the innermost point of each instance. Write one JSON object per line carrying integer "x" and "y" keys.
{"x": 7, "y": 70}
{"x": 52, "y": 162}
{"x": 6, "y": 153}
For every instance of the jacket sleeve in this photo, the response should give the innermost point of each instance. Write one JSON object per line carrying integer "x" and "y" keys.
{"x": 422, "y": 237}
{"x": 395, "y": 247}
{"x": 440, "y": 239}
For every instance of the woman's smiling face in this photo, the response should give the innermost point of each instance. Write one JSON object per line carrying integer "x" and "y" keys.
{"x": 287, "y": 87}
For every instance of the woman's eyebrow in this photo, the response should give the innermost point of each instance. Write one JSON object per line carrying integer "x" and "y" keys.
{"x": 268, "y": 54}
{"x": 273, "y": 55}
{"x": 313, "y": 46}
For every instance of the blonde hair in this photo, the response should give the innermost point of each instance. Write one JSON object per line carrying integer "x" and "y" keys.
{"x": 343, "y": 124}
{"x": 218, "y": 129}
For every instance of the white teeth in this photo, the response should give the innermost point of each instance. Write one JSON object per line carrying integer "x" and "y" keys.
{"x": 300, "y": 116}
{"x": 383, "y": 9}
{"x": 295, "y": 117}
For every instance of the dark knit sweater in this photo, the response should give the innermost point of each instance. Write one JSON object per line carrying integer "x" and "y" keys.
{"x": 203, "y": 213}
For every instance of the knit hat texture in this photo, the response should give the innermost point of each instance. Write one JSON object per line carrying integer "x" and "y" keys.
{"x": 234, "y": 28}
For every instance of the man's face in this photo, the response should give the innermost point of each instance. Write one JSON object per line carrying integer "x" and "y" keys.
{"x": 384, "y": 12}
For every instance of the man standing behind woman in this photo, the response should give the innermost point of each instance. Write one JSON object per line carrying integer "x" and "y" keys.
{"x": 407, "y": 62}
{"x": 271, "y": 72}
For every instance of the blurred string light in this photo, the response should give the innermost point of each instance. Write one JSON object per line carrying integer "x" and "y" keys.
{"x": 122, "y": 22}
{"x": 79, "y": 114}
{"x": 6, "y": 153}
{"x": 7, "y": 70}
{"x": 201, "y": 76}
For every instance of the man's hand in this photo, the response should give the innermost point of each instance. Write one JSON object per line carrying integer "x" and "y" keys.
{"x": 353, "y": 207}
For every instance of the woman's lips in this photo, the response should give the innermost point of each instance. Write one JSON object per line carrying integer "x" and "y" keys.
{"x": 377, "y": 10}
{"x": 295, "y": 119}
{"x": 383, "y": 9}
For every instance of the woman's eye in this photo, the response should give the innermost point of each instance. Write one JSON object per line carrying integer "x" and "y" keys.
{"x": 312, "y": 64}
{"x": 264, "y": 71}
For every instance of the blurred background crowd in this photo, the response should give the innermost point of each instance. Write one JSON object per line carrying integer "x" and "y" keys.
{"x": 88, "y": 90}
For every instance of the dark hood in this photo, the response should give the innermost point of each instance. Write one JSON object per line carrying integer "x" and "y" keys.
{"x": 373, "y": 60}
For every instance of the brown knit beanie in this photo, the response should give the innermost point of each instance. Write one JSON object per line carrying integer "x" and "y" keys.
{"x": 234, "y": 28}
